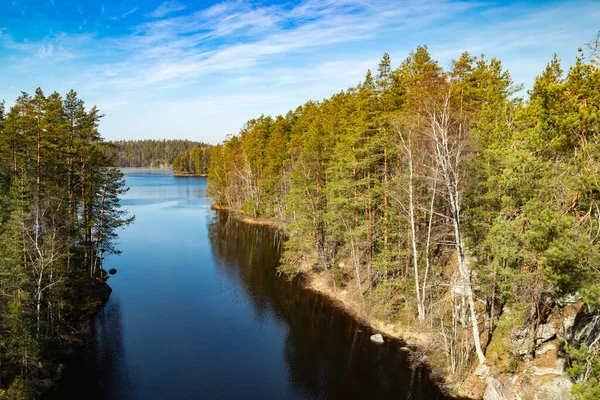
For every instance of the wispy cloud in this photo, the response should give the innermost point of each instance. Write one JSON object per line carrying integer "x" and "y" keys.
{"x": 185, "y": 47}
{"x": 166, "y": 8}
{"x": 134, "y": 9}
{"x": 232, "y": 51}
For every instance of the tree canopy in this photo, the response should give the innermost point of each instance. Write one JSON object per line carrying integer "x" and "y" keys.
{"x": 59, "y": 217}
{"x": 432, "y": 191}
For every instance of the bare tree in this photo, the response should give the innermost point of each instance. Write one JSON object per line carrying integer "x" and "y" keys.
{"x": 405, "y": 135}
{"x": 594, "y": 46}
{"x": 448, "y": 145}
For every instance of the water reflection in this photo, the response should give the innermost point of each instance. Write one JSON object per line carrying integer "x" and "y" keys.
{"x": 327, "y": 354}
{"x": 98, "y": 370}
{"x": 198, "y": 312}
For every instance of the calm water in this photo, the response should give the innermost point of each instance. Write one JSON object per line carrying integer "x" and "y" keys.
{"x": 198, "y": 312}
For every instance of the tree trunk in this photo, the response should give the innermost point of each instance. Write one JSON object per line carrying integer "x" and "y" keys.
{"x": 448, "y": 159}
{"x": 411, "y": 209}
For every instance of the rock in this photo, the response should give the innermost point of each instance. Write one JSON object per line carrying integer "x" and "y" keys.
{"x": 561, "y": 366}
{"x": 565, "y": 329}
{"x": 568, "y": 299}
{"x": 542, "y": 371}
{"x": 482, "y": 371}
{"x": 377, "y": 338}
{"x": 493, "y": 390}
{"x": 586, "y": 328}
{"x": 112, "y": 271}
{"x": 541, "y": 311}
{"x": 558, "y": 388}
{"x": 509, "y": 387}
{"x": 544, "y": 333}
{"x": 545, "y": 348}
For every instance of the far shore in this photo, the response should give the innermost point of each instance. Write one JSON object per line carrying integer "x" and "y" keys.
{"x": 180, "y": 175}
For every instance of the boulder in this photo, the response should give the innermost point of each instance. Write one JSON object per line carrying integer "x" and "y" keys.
{"x": 482, "y": 371}
{"x": 112, "y": 271}
{"x": 545, "y": 348}
{"x": 377, "y": 338}
{"x": 529, "y": 386}
{"x": 544, "y": 333}
{"x": 586, "y": 328}
{"x": 558, "y": 388}
{"x": 493, "y": 390}
{"x": 568, "y": 299}
{"x": 542, "y": 370}
{"x": 561, "y": 366}
{"x": 565, "y": 329}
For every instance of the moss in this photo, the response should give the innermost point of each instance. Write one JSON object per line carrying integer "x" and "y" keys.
{"x": 499, "y": 352}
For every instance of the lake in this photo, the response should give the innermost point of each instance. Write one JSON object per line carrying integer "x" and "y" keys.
{"x": 199, "y": 312}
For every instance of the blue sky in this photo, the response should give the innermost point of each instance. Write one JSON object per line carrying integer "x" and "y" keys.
{"x": 200, "y": 69}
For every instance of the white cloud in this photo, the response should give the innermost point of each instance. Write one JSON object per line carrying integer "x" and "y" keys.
{"x": 166, "y": 8}
{"x": 237, "y": 59}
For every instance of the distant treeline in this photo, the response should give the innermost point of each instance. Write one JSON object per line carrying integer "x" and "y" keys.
{"x": 193, "y": 162}
{"x": 149, "y": 153}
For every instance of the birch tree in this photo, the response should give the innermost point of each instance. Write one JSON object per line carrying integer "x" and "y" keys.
{"x": 448, "y": 144}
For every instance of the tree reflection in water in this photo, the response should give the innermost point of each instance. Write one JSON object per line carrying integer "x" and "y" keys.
{"x": 328, "y": 354}
{"x": 97, "y": 372}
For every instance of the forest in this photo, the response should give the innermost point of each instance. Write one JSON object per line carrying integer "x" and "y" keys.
{"x": 59, "y": 218}
{"x": 440, "y": 198}
{"x": 149, "y": 152}
{"x": 193, "y": 162}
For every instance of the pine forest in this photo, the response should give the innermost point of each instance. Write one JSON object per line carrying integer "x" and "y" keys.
{"x": 59, "y": 217}
{"x": 443, "y": 199}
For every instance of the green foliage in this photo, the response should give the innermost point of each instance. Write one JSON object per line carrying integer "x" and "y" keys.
{"x": 18, "y": 390}
{"x": 584, "y": 369}
{"x": 59, "y": 216}
{"x": 519, "y": 182}
{"x": 193, "y": 161}
{"x": 150, "y": 152}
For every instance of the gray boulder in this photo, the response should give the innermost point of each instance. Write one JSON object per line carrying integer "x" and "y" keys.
{"x": 544, "y": 333}
{"x": 377, "y": 338}
{"x": 493, "y": 390}
{"x": 558, "y": 388}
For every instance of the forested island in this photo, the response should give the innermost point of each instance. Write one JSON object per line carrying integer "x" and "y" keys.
{"x": 59, "y": 216}
{"x": 150, "y": 152}
{"x": 443, "y": 207}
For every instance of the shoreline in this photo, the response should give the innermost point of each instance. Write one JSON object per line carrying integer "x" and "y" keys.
{"x": 180, "y": 175}
{"x": 416, "y": 343}
{"x": 271, "y": 223}
{"x": 50, "y": 371}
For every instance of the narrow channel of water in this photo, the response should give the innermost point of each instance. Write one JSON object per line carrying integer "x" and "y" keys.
{"x": 198, "y": 312}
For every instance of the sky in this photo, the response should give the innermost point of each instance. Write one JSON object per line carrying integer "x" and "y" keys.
{"x": 200, "y": 69}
